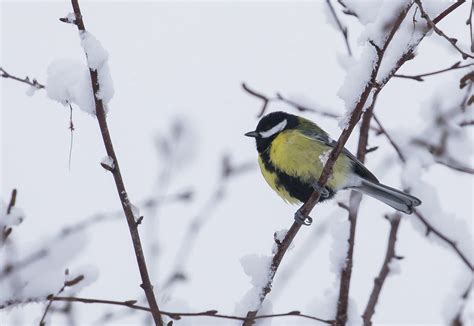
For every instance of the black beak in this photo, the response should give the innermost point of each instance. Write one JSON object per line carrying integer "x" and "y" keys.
{"x": 253, "y": 134}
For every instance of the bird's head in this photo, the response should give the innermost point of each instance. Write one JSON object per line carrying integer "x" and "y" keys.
{"x": 270, "y": 126}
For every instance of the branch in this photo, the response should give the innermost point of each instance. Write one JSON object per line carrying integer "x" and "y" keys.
{"x": 26, "y": 80}
{"x": 173, "y": 315}
{"x": 429, "y": 228}
{"x": 7, "y": 230}
{"x": 126, "y": 205}
{"x": 355, "y": 116}
{"x": 299, "y": 107}
{"x": 469, "y": 22}
{"x": 438, "y": 31}
{"x": 354, "y": 204}
{"x": 457, "y": 321}
{"x": 50, "y": 297}
{"x": 347, "y": 10}
{"x": 342, "y": 28}
{"x": 384, "y": 271}
{"x": 419, "y": 77}
{"x": 466, "y": 123}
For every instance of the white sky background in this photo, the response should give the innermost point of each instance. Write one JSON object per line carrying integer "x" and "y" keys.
{"x": 187, "y": 60}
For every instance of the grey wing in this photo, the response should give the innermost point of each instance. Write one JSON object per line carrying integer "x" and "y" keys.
{"x": 357, "y": 165}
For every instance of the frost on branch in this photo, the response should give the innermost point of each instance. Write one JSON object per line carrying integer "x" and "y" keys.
{"x": 68, "y": 81}
{"x": 339, "y": 246}
{"x": 258, "y": 268}
{"x": 97, "y": 58}
{"x": 108, "y": 163}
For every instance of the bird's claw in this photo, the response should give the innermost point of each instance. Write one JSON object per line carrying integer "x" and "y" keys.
{"x": 303, "y": 219}
{"x": 322, "y": 190}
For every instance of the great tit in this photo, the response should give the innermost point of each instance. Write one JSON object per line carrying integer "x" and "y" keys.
{"x": 292, "y": 152}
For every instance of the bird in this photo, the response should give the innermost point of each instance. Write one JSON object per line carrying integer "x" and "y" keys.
{"x": 292, "y": 152}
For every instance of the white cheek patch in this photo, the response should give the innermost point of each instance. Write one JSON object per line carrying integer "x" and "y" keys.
{"x": 279, "y": 127}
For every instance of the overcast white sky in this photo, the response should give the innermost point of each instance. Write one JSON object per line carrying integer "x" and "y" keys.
{"x": 187, "y": 60}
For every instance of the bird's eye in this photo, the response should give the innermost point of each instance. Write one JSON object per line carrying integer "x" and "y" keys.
{"x": 272, "y": 131}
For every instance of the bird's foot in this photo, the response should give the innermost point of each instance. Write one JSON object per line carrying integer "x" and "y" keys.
{"x": 303, "y": 219}
{"x": 322, "y": 190}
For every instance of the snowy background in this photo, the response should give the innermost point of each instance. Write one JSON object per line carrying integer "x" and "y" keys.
{"x": 185, "y": 61}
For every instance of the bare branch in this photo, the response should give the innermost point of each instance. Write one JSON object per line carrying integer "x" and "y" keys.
{"x": 389, "y": 138}
{"x": 384, "y": 271}
{"x": 431, "y": 229}
{"x": 32, "y": 82}
{"x": 438, "y": 31}
{"x": 132, "y": 304}
{"x": 7, "y": 230}
{"x": 466, "y": 123}
{"x": 457, "y": 321}
{"x": 447, "y": 11}
{"x": 299, "y": 107}
{"x": 50, "y": 297}
{"x": 126, "y": 205}
{"x": 342, "y": 28}
{"x": 347, "y": 10}
{"x": 419, "y": 77}
{"x": 469, "y": 22}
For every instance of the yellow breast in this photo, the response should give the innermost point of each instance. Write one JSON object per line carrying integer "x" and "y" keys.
{"x": 301, "y": 156}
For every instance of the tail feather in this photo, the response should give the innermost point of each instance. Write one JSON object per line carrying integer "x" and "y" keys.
{"x": 395, "y": 198}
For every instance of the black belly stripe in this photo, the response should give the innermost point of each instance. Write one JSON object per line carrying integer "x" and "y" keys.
{"x": 293, "y": 185}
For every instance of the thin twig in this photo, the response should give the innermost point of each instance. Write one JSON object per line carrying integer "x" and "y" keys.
{"x": 419, "y": 77}
{"x": 384, "y": 271}
{"x": 466, "y": 123}
{"x": 299, "y": 107}
{"x": 347, "y": 10}
{"x": 431, "y": 229}
{"x": 12, "y": 201}
{"x": 50, "y": 298}
{"x": 447, "y": 11}
{"x": 390, "y": 139}
{"x": 126, "y": 205}
{"x": 7, "y": 230}
{"x": 469, "y": 22}
{"x": 457, "y": 321}
{"x": 71, "y": 128}
{"x": 32, "y": 82}
{"x": 438, "y": 31}
{"x": 132, "y": 304}
{"x": 342, "y": 28}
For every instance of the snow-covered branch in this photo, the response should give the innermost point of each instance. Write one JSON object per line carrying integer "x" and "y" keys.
{"x": 97, "y": 60}
{"x": 438, "y": 31}
{"x": 353, "y": 209}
